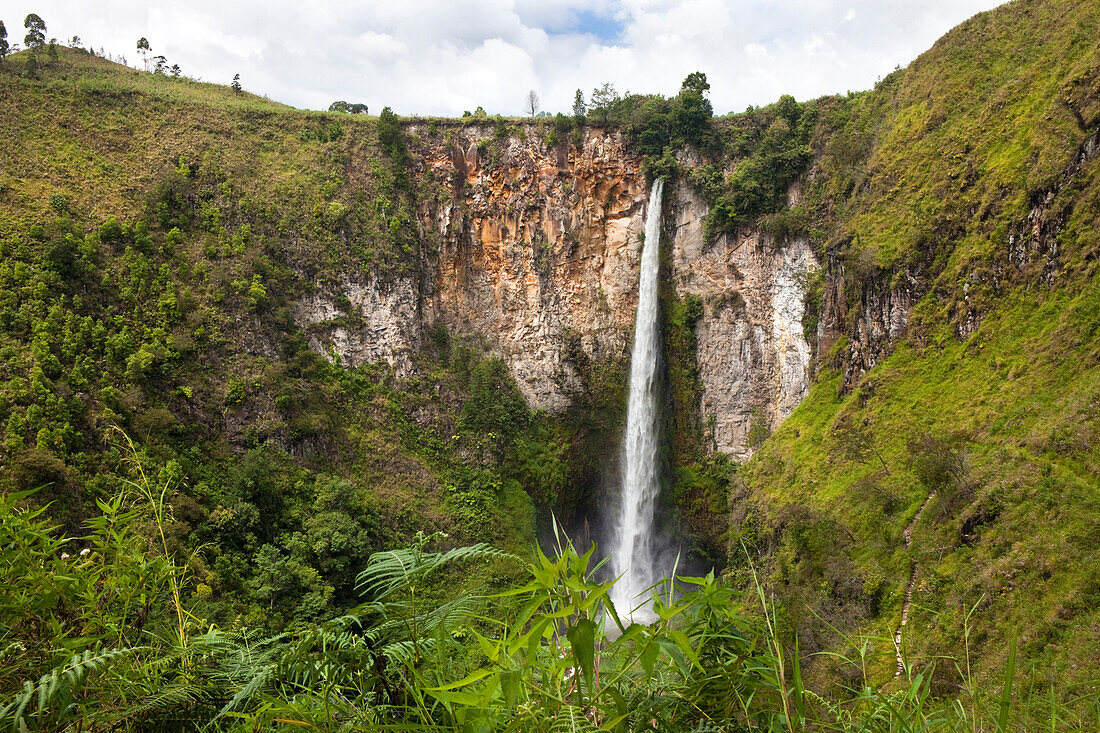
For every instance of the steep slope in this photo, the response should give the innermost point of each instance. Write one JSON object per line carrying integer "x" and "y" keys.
{"x": 179, "y": 256}
{"x": 957, "y": 350}
{"x": 157, "y": 238}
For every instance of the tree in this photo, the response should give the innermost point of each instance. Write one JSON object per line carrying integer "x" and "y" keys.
{"x": 695, "y": 82}
{"x": 338, "y": 106}
{"x": 143, "y": 48}
{"x": 580, "y": 111}
{"x": 36, "y": 31}
{"x": 3, "y": 42}
{"x": 603, "y": 99}
{"x": 175, "y": 70}
{"x": 161, "y": 65}
{"x": 531, "y": 102}
{"x": 236, "y": 83}
{"x": 74, "y": 42}
{"x": 692, "y": 112}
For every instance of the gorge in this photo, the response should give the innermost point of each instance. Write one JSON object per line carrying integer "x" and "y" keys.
{"x": 328, "y": 342}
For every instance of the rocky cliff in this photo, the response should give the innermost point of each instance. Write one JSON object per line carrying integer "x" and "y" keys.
{"x": 535, "y": 248}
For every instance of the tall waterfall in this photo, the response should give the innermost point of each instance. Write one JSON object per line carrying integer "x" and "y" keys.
{"x": 632, "y": 551}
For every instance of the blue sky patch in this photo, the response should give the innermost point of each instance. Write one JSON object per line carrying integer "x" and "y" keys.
{"x": 604, "y": 27}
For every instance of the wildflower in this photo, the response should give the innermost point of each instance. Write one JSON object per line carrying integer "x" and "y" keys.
{"x": 64, "y": 556}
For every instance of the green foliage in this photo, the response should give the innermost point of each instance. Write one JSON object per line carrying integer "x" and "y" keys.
{"x": 603, "y": 100}
{"x": 772, "y": 143}
{"x": 543, "y": 651}
{"x": 580, "y": 109}
{"x": 354, "y": 108}
{"x": 679, "y": 318}
{"x": 658, "y": 127}
{"x": 36, "y": 32}
{"x": 30, "y": 67}
{"x": 495, "y": 405}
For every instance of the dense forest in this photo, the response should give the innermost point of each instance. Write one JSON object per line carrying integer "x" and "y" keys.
{"x": 209, "y": 520}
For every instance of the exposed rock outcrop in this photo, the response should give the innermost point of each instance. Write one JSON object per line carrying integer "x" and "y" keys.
{"x": 376, "y": 322}
{"x": 535, "y": 248}
{"x": 752, "y": 355}
{"x": 873, "y": 322}
{"x": 538, "y": 244}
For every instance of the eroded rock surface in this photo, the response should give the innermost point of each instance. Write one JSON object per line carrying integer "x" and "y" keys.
{"x": 535, "y": 248}
{"x": 753, "y": 358}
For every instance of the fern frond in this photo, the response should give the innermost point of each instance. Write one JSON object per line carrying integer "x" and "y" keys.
{"x": 395, "y": 570}
{"x": 54, "y": 692}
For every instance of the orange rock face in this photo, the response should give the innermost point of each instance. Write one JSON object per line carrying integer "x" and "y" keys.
{"x": 534, "y": 249}
{"x": 538, "y": 247}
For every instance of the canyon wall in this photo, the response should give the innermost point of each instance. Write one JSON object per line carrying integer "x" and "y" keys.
{"x": 535, "y": 248}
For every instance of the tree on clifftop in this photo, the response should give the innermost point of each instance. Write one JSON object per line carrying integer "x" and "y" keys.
{"x": 603, "y": 99}
{"x": 695, "y": 82}
{"x": 236, "y": 83}
{"x": 531, "y": 103}
{"x": 579, "y": 108}
{"x": 3, "y": 42}
{"x": 36, "y": 31}
{"x": 693, "y": 110}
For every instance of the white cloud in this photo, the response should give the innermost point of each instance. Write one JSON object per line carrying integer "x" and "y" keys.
{"x": 443, "y": 57}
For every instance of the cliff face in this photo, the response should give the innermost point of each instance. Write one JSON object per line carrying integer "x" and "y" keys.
{"x": 535, "y": 248}
{"x": 752, "y": 356}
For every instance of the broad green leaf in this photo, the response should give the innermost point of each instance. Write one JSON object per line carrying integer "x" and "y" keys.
{"x": 510, "y": 685}
{"x": 582, "y": 638}
{"x": 649, "y": 656}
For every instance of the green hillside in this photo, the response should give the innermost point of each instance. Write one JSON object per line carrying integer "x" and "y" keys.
{"x": 969, "y": 180}
{"x": 155, "y": 232}
{"x": 258, "y": 537}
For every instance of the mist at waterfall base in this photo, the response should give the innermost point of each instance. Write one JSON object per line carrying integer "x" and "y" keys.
{"x": 638, "y": 554}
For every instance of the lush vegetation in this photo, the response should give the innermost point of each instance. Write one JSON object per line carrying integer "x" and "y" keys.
{"x": 959, "y": 183}
{"x": 96, "y": 637}
{"x": 162, "y": 306}
{"x": 202, "y": 516}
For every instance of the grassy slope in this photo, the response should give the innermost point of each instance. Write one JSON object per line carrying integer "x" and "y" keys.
{"x": 957, "y": 148}
{"x": 166, "y": 336}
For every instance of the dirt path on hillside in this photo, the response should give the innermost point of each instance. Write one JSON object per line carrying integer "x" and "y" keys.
{"x": 907, "y": 540}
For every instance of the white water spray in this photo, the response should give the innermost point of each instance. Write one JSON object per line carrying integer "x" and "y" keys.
{"x": 632, "y": 552}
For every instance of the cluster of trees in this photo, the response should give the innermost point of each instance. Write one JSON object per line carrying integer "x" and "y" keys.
{"x": 352, "y": 108}
{"x": 35, "y": 40}
{"x": 772, "y": 144}
{"x": 160, "y": 63}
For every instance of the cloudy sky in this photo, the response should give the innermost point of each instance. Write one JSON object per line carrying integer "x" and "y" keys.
{"x": 437, "y": 57}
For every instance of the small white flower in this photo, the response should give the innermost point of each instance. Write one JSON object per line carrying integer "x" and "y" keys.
{"x": 84, "y": 552}
{"x": 64, "y": 556}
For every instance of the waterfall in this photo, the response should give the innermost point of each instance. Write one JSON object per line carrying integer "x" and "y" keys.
{"x": 632, "y": 546}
